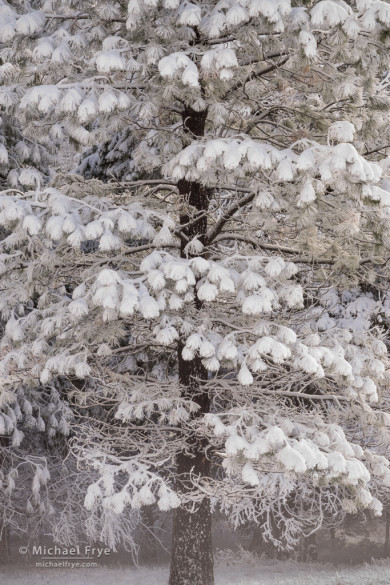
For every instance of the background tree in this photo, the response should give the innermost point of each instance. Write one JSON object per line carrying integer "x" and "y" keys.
{"x": 202, "y": 301}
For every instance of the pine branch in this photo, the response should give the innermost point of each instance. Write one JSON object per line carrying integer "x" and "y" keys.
{"x": 265, "y": 57}
{"x": 228, "y": 215}
{"x": 255, "y": 75}
{"x": 376, "y": 150}
{"x": 143, "y": 182}
{"x": 299, "y": 259}
{"x": 81, "y": 16}
{"x": 257, "y": 243}
{"x": 334, "y": 397}
{"x": 135, "y": 249}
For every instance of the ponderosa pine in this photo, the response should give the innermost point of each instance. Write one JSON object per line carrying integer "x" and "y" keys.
{"x": 215, "y": 298}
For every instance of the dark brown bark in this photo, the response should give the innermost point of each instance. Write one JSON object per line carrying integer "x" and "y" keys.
{"x": 4, "y": 544}
{"x": 5, "y": 441}
{"x": 386, "y": 547}
{"x": 192, "y": 556}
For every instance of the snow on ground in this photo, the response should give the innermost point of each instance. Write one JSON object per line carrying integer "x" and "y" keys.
{"x": 258, "y": 573}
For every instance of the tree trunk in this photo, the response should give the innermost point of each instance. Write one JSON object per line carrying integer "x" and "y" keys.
{"x": 265, "y": 548}
{"x": 4, "y": 545}
{"x": 386, "y": 547}
{"x": 5, "y": 441}
{"x": 308, "y": 549}
{"x": 192, "y": 555}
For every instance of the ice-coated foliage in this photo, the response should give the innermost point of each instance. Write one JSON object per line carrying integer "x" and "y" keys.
{"x": 244, "y": 236}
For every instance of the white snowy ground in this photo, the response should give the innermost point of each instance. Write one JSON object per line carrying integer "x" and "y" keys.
{"x": 260, "y": 573}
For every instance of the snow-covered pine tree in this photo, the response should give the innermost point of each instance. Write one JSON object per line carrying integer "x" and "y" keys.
{"x": 215, "y": 307}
